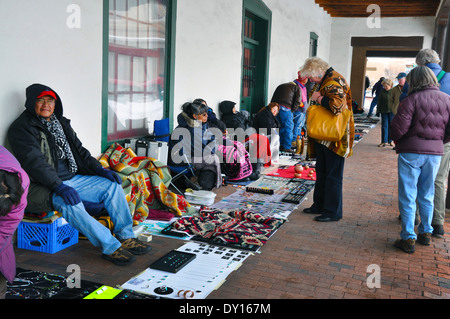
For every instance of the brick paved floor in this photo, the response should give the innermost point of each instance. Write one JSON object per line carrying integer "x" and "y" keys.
{"x": 304, "y": 258}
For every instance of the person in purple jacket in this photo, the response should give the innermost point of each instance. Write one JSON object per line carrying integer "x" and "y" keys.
{"x": 14, "y": 183}
{"x": 420, "y": 128}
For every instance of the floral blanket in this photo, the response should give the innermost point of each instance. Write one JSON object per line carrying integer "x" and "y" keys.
{"x": 232, "y": 227}
{"x": 145, "y": 182}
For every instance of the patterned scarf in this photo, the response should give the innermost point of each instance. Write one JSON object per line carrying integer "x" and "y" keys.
{"x": 62, "y": 146}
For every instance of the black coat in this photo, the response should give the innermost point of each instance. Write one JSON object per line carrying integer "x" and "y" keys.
{"x": 265, "y": 119}
{"x": 232, "y": 120}
{"x": 34, "y": 147}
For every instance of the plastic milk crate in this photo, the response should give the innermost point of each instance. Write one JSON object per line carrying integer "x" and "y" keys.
{"x": 47, "y": 238}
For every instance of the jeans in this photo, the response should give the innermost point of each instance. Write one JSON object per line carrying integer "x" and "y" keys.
{"x": 328, "y": 188}
{"x": 299, "y": 122}
{"x": 440, "y": 192}
{"x": 98, "y": 189}
{"x": 386, "y": 119}
{"x": 416, "y": 175}
{"x": 372, "y": 105}
{"x": 286, "y": 118}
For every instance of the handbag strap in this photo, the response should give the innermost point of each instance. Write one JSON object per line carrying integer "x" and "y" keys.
{"x": 440, "y": 76}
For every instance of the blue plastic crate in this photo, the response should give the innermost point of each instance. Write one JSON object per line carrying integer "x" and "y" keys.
{"x": 47, "y": 238}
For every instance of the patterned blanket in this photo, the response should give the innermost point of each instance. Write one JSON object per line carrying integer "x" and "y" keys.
{"x": 145, "y": 182}
{"x": 232, "y": 227}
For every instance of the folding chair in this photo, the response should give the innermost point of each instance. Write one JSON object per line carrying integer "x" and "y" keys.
{"x": 161, "y": 130}
{"x": 180, "y": 171}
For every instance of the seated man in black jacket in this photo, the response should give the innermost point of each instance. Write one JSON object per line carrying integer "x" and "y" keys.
{"x": 66, "y": 178}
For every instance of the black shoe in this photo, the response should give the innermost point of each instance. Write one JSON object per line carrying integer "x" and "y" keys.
{"x": 424, "y": 239}
{"x": 408, "y": 246}
{"x": 310, "y": 210}
{"x": 323, "y": 218}
{"x": 438, "y": 231}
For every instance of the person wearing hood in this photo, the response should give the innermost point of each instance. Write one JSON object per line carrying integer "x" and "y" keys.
{"x": 232, "y": 117}
{"x": 66, "y": 178}
{"x": 14, "y": 183}
{"x": 289, "y": 97}
{"x": 194, "y": 139}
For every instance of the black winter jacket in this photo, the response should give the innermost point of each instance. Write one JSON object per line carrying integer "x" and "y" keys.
{"x": 34, "y": 147}
{"x": 265, "y": 119}
{"x": 232, "y": 120}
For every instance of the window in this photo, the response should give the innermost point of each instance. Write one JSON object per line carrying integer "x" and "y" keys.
{"x": 313, "y": 39}
{"x": 136, "y": 67}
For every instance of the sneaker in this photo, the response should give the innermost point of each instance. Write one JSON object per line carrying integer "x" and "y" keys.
{"x": 408, "y": 246}
{"x": 424, "y": 239}
{"x": 438, "y": 231}
{"x": 120, "y": 257}
{"x": 135, "y": 246}
{"x": 382, "y": 145}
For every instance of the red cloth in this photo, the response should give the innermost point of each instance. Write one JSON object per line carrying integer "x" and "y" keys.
{"x": 289, "y": 173}
{"x": 260, "y": 148}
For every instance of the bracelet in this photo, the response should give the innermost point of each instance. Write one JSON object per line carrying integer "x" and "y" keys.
{"x": 185, "y": 293}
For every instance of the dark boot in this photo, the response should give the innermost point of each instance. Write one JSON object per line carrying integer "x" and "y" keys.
{"x": 424, "y": 239}
{"x": 408, "y": 246}
{"x": 438, "y": 231}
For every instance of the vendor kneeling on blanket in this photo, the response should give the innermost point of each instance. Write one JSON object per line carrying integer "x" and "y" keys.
{"x": 66, "y": 178}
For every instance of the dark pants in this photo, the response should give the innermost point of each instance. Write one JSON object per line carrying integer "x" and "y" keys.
{"x": 328, "y": 188}
{"x": 3, "y": 284}
{"x": 386, "y": 119}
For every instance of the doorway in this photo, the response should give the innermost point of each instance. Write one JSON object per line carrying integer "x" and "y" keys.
{"x": 386, "y": 67}
{"x": 366, "y": 47}
{"x": 255, "y": 46}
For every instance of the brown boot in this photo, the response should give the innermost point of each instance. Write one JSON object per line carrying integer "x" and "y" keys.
{"x": 120, "y": 257}
{"x": 408, "y": 246}
{"x": 135, "y": 246}
{"x": 424, "y": 239}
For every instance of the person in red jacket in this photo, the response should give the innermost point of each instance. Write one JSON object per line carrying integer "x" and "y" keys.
{"x": 420, "y": 128}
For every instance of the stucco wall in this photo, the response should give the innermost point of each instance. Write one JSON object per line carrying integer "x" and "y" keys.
{"x": 38, "y": 45}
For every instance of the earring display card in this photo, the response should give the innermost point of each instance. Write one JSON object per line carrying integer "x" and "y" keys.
{"x": 197, "y": 279}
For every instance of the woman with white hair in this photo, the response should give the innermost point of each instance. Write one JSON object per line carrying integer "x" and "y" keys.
{"x": 333, "y": 93}
{"x": 420, "y": 128}
{"x": 430, "y": 58}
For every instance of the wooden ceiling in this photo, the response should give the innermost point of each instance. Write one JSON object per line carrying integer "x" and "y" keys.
{"x": 388, "y": 8}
